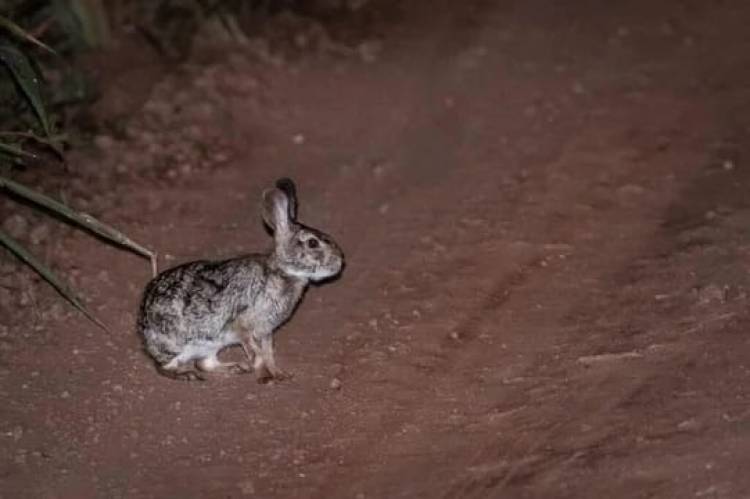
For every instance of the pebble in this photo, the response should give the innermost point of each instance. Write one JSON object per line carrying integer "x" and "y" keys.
{"x": 39, "y": 234}
{"x": 104, "y": 142}
{"x": 356, "y": 4}
{"x": 335, "y": 384}
{"x": 369, "y": 50}
{"x": 16, "y": 226}
{"x": 713, "y": 293}
{"x": 16, "y": 433}
{"x": 24, "y": 299}
{"x": 631, "y": 190}
{"x": 689, "y": 425}
{"x": 247, "y": 487}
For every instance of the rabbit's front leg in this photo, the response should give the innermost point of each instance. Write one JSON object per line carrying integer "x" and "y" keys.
{"x": 266, "y": 353}
{"x": 259, "y": 350}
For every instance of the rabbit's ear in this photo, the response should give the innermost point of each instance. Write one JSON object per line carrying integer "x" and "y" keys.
{"x": 276, "y": 211}
{"x": 286, "y": 185}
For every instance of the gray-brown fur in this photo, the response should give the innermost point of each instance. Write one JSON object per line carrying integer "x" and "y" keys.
{"x": 190, "y": 312}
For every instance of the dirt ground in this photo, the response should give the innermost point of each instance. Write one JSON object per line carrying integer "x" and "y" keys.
{"x": 545, "y": 212}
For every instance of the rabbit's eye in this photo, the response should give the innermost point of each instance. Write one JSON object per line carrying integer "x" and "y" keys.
{"x": 313, "y": 243}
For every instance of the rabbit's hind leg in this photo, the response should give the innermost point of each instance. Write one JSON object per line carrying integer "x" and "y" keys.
{"x": 212, "y": 364}
{"x": 181, "y": 369}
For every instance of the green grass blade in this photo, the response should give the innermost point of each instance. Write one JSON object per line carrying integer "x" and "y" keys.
{"x": 82, "y": 219}
{"x": 28, "y": 80}
{"x": 12, "y": 150}
{"x": 54, "y": 142}
{"x": 21, "y": 33}
{"x": 92, "y": 20}
{"x": 48, "y": 276}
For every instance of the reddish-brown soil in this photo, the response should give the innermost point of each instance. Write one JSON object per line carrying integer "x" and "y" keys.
{"x": 546, "y": 216}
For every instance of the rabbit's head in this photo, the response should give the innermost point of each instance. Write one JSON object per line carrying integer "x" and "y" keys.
{"x": 299, "y": 251}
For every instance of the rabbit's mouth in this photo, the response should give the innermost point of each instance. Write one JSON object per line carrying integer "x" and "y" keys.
{"x": 332, "y": 268}
{"x": 317, "y": 272}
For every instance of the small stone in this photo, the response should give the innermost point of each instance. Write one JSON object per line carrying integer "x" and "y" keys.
{"x": 356, "y": 4}
{"x": 689, "y": 425}
{"x": 335, "y": 384}
{"x": 65, "y": 394}
{"x": 298, "y": 139}
{"x": 713, "y": 293}
{"x": 728, "y": 165}
{"x": 16, "y": 433}
{"x": 247, "y": 487}
{"x": 39, "y": 234}
{"x": 24, "y": 299}
{"x": 104, "y": 142}
{"x": 370, "y": 50}
{"x": 378, "y": 170}
{"x": 631, "y": 190}
{"x": 16, "y": 226}
{"x": 220, "y": 157}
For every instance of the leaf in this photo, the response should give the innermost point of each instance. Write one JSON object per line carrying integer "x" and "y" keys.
{"x": 12, "y": 150}
{"x": 84, "y": 220}
{"x": 92, "y": 20}
{"x": 48, "y": 276}
{"x": 21, "y": 33}
{"x": 27, "y": 79}
{"x": 54, "y": 142}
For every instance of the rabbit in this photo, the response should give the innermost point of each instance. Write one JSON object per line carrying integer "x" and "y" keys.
{"x": 190, "y": 312}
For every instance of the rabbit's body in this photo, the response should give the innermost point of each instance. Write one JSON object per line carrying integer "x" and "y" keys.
{"x": 190, "y": 312}
{"x": 199, "y": 302}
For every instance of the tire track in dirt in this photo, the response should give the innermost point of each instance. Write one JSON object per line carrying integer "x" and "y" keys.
{"x": 449, "y": 357}
{"x": 544, "y": 458}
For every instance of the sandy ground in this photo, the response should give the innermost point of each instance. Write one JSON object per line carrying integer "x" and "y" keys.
{"x": 546, "y": 219}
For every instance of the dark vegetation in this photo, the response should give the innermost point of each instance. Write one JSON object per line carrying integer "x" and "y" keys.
{"x": 46, "y": 91}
